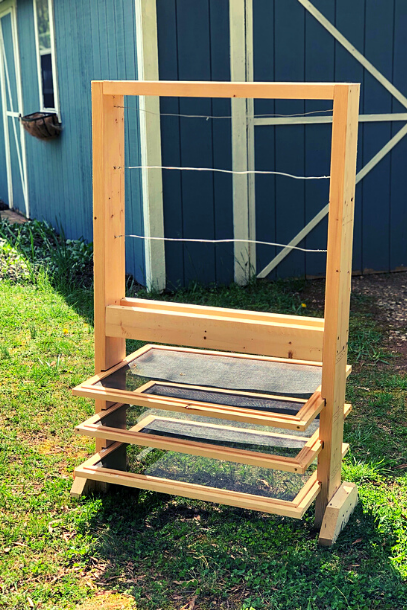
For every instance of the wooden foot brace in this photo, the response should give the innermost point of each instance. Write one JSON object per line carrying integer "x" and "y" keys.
{"x": 337, "y": 513}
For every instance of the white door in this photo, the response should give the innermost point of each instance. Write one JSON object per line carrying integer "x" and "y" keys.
{"x": 12, "y": 107}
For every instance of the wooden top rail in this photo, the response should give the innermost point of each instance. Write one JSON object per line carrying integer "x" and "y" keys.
{"x": 213, "y": 89}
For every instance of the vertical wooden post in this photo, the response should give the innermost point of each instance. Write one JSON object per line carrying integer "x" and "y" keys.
{"x": 337, "y": 295}
{"x": 242, "y": 271}
{"x": 150, "y": 143}
{"x": 108, "y": 225}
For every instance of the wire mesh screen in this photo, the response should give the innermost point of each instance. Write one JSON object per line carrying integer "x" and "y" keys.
{"x": 208, "y": 472}
{"x": 227, "y": 372}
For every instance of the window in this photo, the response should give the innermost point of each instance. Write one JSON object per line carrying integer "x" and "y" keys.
{"x": 44, "y": 35}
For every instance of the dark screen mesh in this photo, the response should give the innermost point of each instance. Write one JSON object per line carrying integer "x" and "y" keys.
{"x": 226, "y": 372}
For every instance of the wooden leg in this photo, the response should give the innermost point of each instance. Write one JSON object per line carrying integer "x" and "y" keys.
{"x": 337, "y": 513}
{"x": 83, "y": 487}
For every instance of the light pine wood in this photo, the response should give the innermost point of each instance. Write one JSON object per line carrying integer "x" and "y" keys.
{"x": 108, "y": 219}
{"x": 215, "y": 332}
{"x": 278, "y": 91}
{"x": 337, "y": 513}
{"x": 291, "y": 339}
{"x": 108, "y": 222}
{"x": 223, "y": 312}
{"x": 135, "y": 436}
{"x": 337, "y": 295}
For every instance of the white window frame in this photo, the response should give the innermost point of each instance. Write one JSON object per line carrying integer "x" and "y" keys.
{"x": 53, "y": 59}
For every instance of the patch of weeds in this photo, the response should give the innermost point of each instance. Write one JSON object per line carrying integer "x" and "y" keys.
{"x": 13, "y": 265}
{"x": 45, "y": 250}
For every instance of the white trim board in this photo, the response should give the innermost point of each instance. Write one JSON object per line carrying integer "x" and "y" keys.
{"x": 53, "y": 60}
{"x": 353, "y": 51}
{"x": 9, "y": 8}
{"x": 319, "y": 120}
{"x": 241, "y": 222}
{"x": 363, "y": 118}
{"x": 150, "y": 142}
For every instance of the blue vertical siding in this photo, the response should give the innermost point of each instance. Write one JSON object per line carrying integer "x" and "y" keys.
{"x": 15, "y": 149}
{"x": 290, "y": 45}
{"x": 194, "y": 45}
{"x": 350, "y": 20}
{"x": 398, "y": 185}
{"x": 97, "y": 40}
{"x": 94, "y": 41}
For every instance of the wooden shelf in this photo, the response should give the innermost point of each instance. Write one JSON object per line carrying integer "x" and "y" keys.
{"x": 119, "y": 384}
{"x": 93, "y": 469}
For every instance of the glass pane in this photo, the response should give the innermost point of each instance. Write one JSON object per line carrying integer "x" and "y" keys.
{"x": 47, "y": 81}
{"x": 44, "y": 36}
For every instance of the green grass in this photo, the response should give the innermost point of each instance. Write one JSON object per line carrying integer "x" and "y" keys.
{"x": 162, "y": 551}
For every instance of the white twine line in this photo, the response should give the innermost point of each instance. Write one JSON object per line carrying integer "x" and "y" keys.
{"x": 221, "y": 241}
{"x": 248, "y": 116}
{"x": 225, "y": 171}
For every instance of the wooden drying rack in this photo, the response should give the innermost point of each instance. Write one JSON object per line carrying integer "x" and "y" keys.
{"x": 272, "y": 337}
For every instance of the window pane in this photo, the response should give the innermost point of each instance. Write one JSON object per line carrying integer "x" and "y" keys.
{"x": 44, "y": 36}
{"x": 47, "y": 81}
{"x": 45, "y": 53}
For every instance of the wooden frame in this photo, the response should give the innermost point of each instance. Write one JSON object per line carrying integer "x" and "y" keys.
{"x": 310, "y": 409}
{"x": 135, "y": 436}
{"x": 317, "y": 342}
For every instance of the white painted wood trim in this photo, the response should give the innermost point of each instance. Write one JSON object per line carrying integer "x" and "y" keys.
{"x": 353, "y": 51}
{"x": 237, "y": 13}
{"x": 53, "y": 60}
{"x": 319, "y": 120}
{"x": 150, "y": 142}
{"x": 5, "y": 118}
{"x": 6, "y": 87}
{"x": 17, "y": 65}
{"x": 317, "y": 219}
{"x": 250, "y": 138}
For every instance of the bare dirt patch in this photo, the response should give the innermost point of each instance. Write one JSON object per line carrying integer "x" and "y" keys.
{"x": 382, "y": 296}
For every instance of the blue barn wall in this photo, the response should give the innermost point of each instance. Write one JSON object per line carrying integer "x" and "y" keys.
{"x": 97, "y": 40}
{"x": 193, "y": 44}
{"x": 94, "y": 40}
{"x": 289, "y": 44}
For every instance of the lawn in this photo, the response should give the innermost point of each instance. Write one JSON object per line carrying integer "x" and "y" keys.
{"x": 150, "y": 551}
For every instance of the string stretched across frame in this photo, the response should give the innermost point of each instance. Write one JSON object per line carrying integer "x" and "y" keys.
{"x": 225, "y": 171}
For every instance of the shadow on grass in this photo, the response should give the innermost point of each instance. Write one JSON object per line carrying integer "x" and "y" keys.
{"x": 166, "y": 551}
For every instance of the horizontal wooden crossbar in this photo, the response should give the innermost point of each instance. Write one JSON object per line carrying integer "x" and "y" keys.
{"x": 295, "y": 509}
{"x": 135, "y": 436}
{"x": 262, "y": 334}
{"x": 211, "y": 89}
{"x": 256, "y": 316}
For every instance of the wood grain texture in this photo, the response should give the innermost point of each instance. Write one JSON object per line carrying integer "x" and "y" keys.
{"x": 337, "y": 295}
{"x": 295, "y": 91}
{"x": 108, "y": 219}
{"x": 338, "y": 513}
{"x": 215, "y": 332}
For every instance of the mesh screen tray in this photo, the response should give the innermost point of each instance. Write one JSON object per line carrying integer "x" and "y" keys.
{"x": 254, "y": 389}
{"x": 205, "y": 437}
{"x": 219, "y": 481}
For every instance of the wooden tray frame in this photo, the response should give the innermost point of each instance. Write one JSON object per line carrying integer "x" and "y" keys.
{"x": 247, "y": 332}
{"x": 92, "y": 427}
{"x": 295, "y": 509}
{"x": 311, "y": 407}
